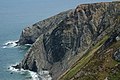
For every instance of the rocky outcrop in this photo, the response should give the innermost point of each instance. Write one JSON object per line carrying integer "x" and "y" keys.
{"x": 58, "y": 42}
{"x": 31, "y": 33}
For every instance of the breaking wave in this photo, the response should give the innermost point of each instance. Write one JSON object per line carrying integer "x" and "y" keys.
{"x": 13, "y": 44}
{"x": 30, "y": 75}
{"x": 10, "y": 44}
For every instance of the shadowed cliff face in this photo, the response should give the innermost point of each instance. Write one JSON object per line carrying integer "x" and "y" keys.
{"x": 63, "y": 39}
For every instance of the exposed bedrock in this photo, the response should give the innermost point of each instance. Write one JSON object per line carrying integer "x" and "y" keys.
{"x": 59, "y": 41}
{"x": 31, "y": 33}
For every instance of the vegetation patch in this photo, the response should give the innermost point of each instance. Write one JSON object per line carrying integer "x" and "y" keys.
{"x": 102, "y": 66}
{"x": 83, "y": 61}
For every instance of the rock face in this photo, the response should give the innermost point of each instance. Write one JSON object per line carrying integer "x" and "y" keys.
{"x": 31, "y": 33}
{"x": 59, "y": 41}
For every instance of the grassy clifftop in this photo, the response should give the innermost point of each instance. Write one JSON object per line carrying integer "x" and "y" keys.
{"x": 96, "y": 64}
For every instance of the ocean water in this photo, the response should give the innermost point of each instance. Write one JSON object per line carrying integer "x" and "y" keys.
{"x": 15, "y": 15}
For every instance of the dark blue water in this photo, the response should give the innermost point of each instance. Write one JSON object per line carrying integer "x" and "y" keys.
{"x": 17, "y": 14}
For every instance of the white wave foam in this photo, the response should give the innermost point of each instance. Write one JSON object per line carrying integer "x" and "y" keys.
{"x": 13, "y": 69}
{"x": 28, "y": 44}
{"x": 44, "y": 75}
{"x": 34, "y": 75}
{"x": 10, "y": 44}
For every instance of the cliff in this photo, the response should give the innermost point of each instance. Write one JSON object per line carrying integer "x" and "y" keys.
{"x": 31, "y": 33}
{"x": 65, "y": 43}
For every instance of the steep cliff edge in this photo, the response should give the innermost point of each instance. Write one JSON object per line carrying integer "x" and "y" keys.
{"x": 31, "y": 33}
{"x": 60, "y": 42}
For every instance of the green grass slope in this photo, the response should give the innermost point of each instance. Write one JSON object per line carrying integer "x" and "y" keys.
{"x": 83, "y": 61}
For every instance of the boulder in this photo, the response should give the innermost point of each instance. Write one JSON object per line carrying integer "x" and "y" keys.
{"x": 116, "y": 55}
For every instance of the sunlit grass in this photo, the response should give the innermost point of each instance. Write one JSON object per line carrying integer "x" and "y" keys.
{"x": 83, "y": 61}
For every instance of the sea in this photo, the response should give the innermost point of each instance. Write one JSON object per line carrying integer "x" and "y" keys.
{"x": 15, "y": 15}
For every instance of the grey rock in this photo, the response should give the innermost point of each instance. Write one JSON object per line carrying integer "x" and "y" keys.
{"x": 118, "y": 38}
{"x": 116, "y": 55}
{"x": 31, "y": 33}
{"x": 59, "y": 41}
